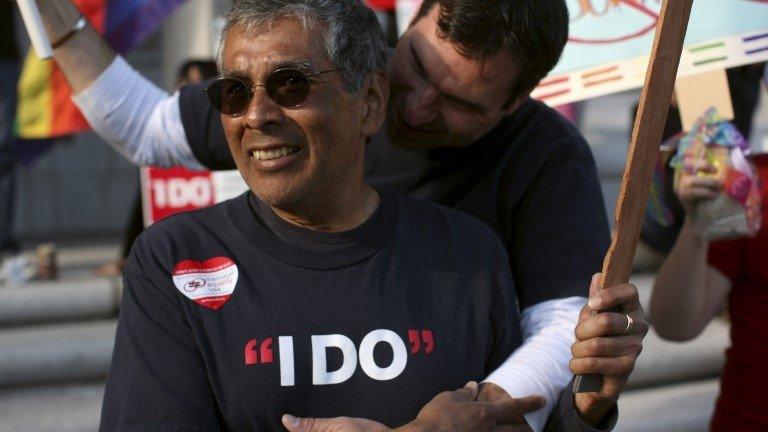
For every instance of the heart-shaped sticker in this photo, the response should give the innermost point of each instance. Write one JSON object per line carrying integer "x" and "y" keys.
{"x": 209, "y": 283}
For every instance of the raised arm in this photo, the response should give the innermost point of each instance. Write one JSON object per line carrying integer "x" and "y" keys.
{"x": 688, "y": 292}
{"x": 84, "y": 56}
{"x": 138, "y": 119}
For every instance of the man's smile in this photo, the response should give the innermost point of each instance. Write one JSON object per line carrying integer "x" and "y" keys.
{"x": 274, "y": 153}
{"x": 274, "y": 157}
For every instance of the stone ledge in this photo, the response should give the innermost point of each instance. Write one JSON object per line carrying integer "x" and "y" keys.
{"x": 679, "y": 408}
{"x": 49, "y": 302}
{"x": 663, "y": 362}
{"x": 56, "y": 353}
{"x": 64, "y": 408}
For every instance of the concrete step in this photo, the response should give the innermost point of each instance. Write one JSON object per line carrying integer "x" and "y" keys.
{"x": 644, "y": 284}
{"x": 679, "y": 408}
{"x": 63, "y": 408}
{"x": 78, "y": 261}
{"x": 664, "y": 363}
{"x": 59, "y": 301}
{"x": 56, "y": 353}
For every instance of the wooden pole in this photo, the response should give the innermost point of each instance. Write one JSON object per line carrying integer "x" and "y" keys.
{"x": 643, "y": 152}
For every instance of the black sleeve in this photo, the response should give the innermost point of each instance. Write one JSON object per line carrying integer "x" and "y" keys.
{"x": 158, "y": 380}
{"x": 506, "y": 334}
{"x": 202, "y": 125}
{"x": 561, "y": 232}
{"x": 564, "y": 417}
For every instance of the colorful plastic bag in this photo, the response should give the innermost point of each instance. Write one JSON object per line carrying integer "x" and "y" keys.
{"x": 736, "y": 211}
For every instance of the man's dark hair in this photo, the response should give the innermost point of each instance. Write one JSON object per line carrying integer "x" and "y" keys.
{"x": 535, "y": 31}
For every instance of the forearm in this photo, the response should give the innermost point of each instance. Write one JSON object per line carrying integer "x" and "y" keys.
{"x": 85, "y": 55}
{"x": 138, "y": 119}
{"x": 130, "y": 113}
{"x": 540, "y": 365}
{"x": 679, "y": 300}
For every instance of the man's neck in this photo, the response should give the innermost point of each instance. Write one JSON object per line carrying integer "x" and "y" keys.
{"x": 333, "y": 212}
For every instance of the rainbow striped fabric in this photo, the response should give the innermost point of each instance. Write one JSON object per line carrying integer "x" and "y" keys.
{"x": 386, "y": 5}
{"x": 44, "y": 109}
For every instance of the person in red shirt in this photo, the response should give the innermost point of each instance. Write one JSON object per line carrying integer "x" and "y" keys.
{"x": 694, "y": 284}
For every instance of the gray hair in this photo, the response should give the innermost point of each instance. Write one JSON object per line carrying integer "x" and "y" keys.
{"x": 347, "y": 30}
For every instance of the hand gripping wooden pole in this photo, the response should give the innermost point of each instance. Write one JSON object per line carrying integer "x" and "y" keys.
{"x": 643, "y": 151}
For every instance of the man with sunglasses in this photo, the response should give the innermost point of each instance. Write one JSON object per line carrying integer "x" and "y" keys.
{"x": 462, "y": 132}
{"x": 313, "y": 293}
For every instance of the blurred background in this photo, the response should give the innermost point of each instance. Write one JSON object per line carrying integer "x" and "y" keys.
{"x": 76, "y": 196}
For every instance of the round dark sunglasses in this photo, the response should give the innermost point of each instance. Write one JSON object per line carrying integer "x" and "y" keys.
{"x": 287, "y": 87}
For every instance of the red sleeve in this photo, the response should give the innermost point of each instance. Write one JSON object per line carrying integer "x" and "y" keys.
{"x": 726, "y": 257}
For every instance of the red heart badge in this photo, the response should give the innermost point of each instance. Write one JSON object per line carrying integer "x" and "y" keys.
{"x": 209, "y": 283}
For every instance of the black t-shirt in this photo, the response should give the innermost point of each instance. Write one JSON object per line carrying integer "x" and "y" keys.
{"x": 532, "y": 180}
{"x": 231, "y": 317}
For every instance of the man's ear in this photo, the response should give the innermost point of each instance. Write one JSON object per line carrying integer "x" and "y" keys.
{"x": 376, "y": 97}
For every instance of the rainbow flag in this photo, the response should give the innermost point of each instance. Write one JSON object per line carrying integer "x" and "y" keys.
{"x": 386, "y": 5}
{"x": 45, "y": 110}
